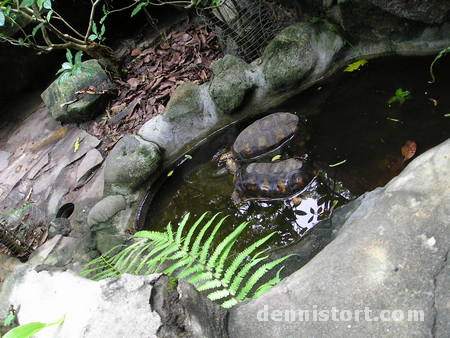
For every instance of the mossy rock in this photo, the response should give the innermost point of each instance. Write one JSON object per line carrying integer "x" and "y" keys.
{"x": 59, "y": 95}
{"x": 184, "y": 101}
{"x": 230, "y": 83}
{"x": 290, "y": 56}
{"x": 130, "y": 163}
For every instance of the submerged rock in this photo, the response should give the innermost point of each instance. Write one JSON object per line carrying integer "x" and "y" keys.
{"x": 230, "y": 83}
{"x": 67, "y": 106}
{"x": 390, "y": 253}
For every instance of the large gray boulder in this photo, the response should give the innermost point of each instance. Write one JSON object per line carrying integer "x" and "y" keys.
{"x": 428, "y": 11}
{"x": 67, "y": 106}
{"x": 119, "y": 307}
{"x": 189, "y": 115}
{"x": 230, "y": 84}
{"x": 390, "y": 254}
{"x": 297, "y": 51}
{"x": 130, "y": 163}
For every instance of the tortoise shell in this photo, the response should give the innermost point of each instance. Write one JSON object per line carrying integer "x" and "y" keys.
{"x": 273, "y": 180}
{"x": 265, "y": 134}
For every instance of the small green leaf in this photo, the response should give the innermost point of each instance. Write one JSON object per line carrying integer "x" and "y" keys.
{"x": 2, "y": 19}
{"x": 188, "y": 157}
{"x": 276, "y": 158}
{"x": 337, "y": 164}
{"x": 446, "y": 115}
{"x": 93, "y": 37}
{"x": 35, "y": 29}
{"x": 76, "y": 146}
{"x": 27, "y": 3}
{"x": 315, "y": 19}
{"x": 355, "y": 65}
{"x": 170, "y": 173}
{"x": 49, "y": 15}
{"x": 78, "y": 56}
{"x": 47, "y": 4}
{"x": 30, "y": 329}
{"x": 69, "y": 56}
{"x": 9, "y": 320}
{"x": 138, "y": 8}
{"x": 392, "y": 119}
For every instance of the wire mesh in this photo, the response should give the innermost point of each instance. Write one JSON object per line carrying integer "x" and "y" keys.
{"x": 246, "y": 27}
{"x": 22, "y": 230}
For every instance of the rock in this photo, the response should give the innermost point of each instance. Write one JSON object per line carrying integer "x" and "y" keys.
{"x": 61, "y": 92}
{"x": 108, "y": 220}
{"x": 184, "y": 101}
{"x": 428, "y": 11}
{"x": 119, "y": 307}
{"x": 230, "y": 83}
{"x": 88, "y": 165}
{"x": 104, "y": 210}
{"x": 184, "y": 312}
{"x": 184, "y": 121}
{"x": 296, "y": 51}
{"x": 130, "y": 163}
{"x": 4, "y": 159}
{"x": 59, "y": 226}
{"x": 390, "y": 254}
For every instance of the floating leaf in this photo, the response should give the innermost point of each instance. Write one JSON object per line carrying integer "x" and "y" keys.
{"x": 409, "y": 150}
{"x": 446, "y": 115}
{"x": 187, "y": 156}
{"x": 355, "y": 65}
{"x": 170, "y": 173}
{"x": 337, "y": 164}
{"x": 76, "y": 146}
{"x": 276, "y": 158}
{"x": 433, "y": 101}
{"x": 392, "y": 119}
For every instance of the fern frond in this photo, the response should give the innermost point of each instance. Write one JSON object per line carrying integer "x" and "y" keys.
{"x": 207, "y": 245}
{"x": 189, "y": 271}
{"x": 242, "y": 256}
{"x": 268, "y": 285}
{"x": 208, "y": 269}
{"x": 180, "y": 228}
{"x": 194, "y": 227}
{"x": 256, "y": 276}
{"x": 229, "y": 240}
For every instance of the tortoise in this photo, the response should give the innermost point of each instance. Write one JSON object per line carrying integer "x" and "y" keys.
{"x": 275, "y": 180}
{"x": 265, "y": 181}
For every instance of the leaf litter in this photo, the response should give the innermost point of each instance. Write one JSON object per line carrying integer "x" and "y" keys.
{"x": 151, "y": 76}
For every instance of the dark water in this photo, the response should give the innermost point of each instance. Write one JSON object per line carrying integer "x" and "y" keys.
{"x": 348, "y": 119}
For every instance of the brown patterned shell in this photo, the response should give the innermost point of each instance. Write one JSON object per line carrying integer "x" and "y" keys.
{"x": 273, "y": 180}
{"x": 265, "y": 135}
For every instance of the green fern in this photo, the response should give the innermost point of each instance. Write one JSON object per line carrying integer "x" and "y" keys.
{"x": 176, "y": 254}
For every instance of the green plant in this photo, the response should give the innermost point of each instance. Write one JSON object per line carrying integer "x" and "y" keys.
{"x": 71, "y": 66}
{"x": 440, "y": 55}
{"x": 229, "y": 281}
{"x": 400, "y": 96}
{"x": 28, "y": 330}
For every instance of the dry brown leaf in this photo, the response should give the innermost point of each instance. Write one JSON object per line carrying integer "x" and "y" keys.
{"x": 409, "y": 150}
